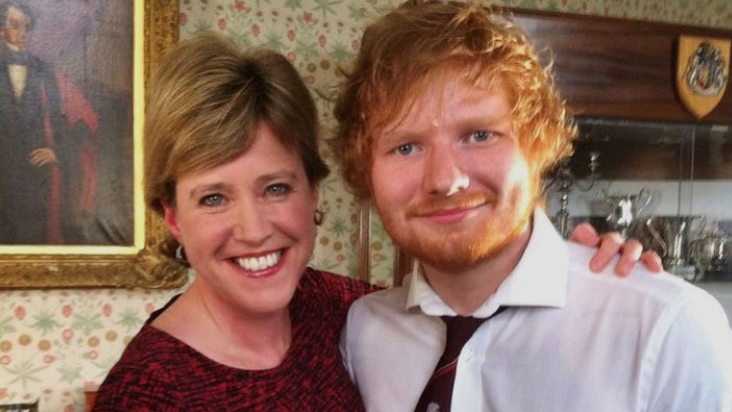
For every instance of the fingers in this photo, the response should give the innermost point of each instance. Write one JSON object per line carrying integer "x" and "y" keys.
{"x": 42, "y": 156}
{"x": 585, "y": 234}
{"x": 631, "y": 251}
{"x": 652, "y": 261}
{"x": 610, "y": 244}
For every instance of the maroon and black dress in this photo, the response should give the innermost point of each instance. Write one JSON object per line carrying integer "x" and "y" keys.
{"x": 157, "y": 372}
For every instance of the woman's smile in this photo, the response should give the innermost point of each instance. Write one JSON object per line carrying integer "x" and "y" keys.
{"x": 261, "y": 262}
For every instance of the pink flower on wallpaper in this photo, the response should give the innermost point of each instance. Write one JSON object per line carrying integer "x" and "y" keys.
{"x": 239, "y": 5}
{"x": 107, "y": 309}
{"x": 182, "y": 19}
{"x": 291, "y": 56}
{"x": 322, "y": 40}
{"x": 307, "y": 17}
{"x": 149, "y": 308}
{"x": 66, "y": 310}
{"x": 256, "y": 30}
{"x": 3, "y": 393}
{"x": 69, "y": 408}
{"x": 5, "y": 360}
{"x": 67, "y": 334}
{"x": 221, "y": 23}
{"x": 93, "y": 354}
{"x": 291, "y": 35}
{"x": 49, "y": 358}
{"x": 20, "y": 312}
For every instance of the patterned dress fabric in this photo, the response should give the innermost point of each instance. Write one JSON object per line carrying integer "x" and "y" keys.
{"x": 159, "y": 373}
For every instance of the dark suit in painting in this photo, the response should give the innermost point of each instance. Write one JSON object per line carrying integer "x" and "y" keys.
{"x": 44, "y": 204}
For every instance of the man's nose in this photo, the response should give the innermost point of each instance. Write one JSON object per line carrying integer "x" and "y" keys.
{"x": 443, "y": 174}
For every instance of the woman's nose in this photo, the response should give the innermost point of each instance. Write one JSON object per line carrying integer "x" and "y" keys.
{"x": 251, "y": 224}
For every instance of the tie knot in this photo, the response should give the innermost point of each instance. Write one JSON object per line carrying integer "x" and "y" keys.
{"x": 459, "y": 330}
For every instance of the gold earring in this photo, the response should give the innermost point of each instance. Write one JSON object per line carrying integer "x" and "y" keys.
{"x": 318, "y": 218}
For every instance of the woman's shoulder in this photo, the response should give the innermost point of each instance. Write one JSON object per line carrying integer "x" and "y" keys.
{"x": 153, "y": 357}
{"x": 151, "y": 345}
{"x": 147, "y": 365}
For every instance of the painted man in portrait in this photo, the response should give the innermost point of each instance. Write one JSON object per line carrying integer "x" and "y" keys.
{"x": 47, "y": 143}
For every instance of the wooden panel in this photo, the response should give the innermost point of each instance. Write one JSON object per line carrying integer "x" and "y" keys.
{"x": 90, "y": 397}
{"x": 618, "y": 68}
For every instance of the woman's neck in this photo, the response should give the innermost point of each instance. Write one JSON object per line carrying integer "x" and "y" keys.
{"x": 234, "y": 338}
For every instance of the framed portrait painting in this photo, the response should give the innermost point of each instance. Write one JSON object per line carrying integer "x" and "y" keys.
{"x": 72, "y": 93}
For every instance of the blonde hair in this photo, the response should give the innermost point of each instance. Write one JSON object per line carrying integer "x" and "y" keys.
{"x": 411, "y": 46}
{"x": 205, "y": 105}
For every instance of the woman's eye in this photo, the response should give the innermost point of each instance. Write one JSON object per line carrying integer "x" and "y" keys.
{"x": 405, "y": 149}
{"x": 278, "y": 189}
{"x": 480, "y": 136}
{"x": 212, "y": 200}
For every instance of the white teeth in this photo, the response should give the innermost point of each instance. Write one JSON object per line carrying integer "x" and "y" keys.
{"x": 259, "y": 263}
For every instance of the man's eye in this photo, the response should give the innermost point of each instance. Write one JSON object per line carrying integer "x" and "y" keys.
{"x": 278, "y": 189}
{"x": 480, "y": 136}
{"x": 212, "y": 200}
{"x": 405, "y": 149}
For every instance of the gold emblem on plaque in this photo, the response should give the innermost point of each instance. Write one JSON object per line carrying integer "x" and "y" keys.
{"x": 702, "y": 73}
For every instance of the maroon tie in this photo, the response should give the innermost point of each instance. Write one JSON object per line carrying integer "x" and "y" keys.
{"x": 437, "y": 395}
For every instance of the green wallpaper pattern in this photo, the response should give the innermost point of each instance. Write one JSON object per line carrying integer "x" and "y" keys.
{"x": 53, "y": 343}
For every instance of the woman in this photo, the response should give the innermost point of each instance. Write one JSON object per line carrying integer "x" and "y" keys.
{"x": 232, "y": 165}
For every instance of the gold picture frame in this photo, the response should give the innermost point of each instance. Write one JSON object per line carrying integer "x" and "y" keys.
{"x": 49, "y": 266}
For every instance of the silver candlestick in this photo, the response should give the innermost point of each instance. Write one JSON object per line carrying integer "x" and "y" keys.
{"x": 565, "y": 180}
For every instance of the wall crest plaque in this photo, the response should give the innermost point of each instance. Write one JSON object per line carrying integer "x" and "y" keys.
{"x": 702, "y": 73}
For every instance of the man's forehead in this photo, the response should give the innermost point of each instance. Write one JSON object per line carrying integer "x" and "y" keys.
{"x": 428, "y": 103}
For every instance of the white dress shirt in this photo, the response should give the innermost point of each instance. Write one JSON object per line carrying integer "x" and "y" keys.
{"x": 18, "y": 74}
{"x": 570, "y": 341}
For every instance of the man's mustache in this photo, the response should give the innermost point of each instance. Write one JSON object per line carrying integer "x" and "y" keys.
{"x": 455, "y": 202}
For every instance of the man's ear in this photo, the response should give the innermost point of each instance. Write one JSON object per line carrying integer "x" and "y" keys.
{"x": 171, "y": 219}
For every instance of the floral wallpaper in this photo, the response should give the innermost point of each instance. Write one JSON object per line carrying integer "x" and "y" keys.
{"x": 54, "y": 343}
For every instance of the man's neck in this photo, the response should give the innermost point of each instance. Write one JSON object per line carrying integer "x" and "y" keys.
{"x": 466, "y": 289}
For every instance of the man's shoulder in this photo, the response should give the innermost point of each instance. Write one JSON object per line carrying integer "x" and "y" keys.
{"x": 663, "y": 288}
{"x": 384, "y": 306}
{"x": 392, "y": 299}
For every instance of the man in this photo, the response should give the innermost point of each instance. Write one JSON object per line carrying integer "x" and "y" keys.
{"x": 448, "y": 122}
{"x": 47, "y": 129}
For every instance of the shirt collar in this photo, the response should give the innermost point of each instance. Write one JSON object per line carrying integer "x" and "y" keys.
{"x": 539, "y": 278}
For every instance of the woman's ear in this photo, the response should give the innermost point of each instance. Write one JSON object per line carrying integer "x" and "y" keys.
{"x": 171, "y": 220}
{"x": 316, "y": 196}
